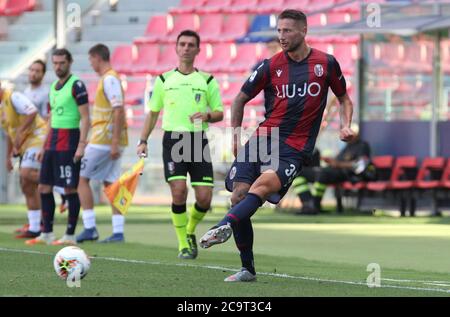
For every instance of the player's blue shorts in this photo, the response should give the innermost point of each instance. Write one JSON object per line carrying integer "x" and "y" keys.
{"x": 259, "y": 155}
{"x": 59, "y": 169}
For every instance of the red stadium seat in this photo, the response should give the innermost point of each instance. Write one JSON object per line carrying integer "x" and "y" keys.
{"x": 384, "y": 166}
{"x": 302, "y": 5}
{"x": 157, "y": 30}
{"x": 430, "y": 173}
{"x": 402, "y": 177}
{"x": 319, "y": 19}
{"x": 147, "y": 58}
{"x": 182, "y": 22}
{"x": 320, "y": 5}
{"x": 187, "y": 6}
{"x": 243, "y": 6}
{"x": 17, "y": 7}
{"x": 214, "y": 6}
{"x": 235, "y": 27}
{"x": 246, "y": 56}
{"x": 92, "y": 91}
{"x": 211, "y": 27}
{"x": 204, "y": 56}
{"x": 135, "y": 92}
{"x": 230, "y": 91}
{"x": 445, "y": 181}
{"x": 269, "y": 6}
{"x": 220, "y": 60}
{"x": 168, "y": 60}
{"x": 122, "y": 58}
{"x": 2, "y": 7}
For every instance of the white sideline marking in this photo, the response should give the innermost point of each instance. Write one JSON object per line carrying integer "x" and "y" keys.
{"x": 279, "y": 275}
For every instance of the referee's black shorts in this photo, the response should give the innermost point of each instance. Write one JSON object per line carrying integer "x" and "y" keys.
{"x": 187, "y": 152}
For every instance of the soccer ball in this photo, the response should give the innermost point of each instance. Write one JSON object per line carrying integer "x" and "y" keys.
{"x": 70, "y": 261}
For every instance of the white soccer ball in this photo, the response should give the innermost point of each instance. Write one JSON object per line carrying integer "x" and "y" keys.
{"x": 71, "y": 261}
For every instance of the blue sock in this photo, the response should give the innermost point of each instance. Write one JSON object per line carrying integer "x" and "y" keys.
{"x": 48, "y": 211}
{"x": 243, "y": 210}
{"x": 74, "y": 210}
{"x": 243, "y": 236}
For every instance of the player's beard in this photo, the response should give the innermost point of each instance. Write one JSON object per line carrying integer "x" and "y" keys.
{"x": 62, "y": 73}
{"x": 294, "y": 47}
{"x": 35, "y": 81}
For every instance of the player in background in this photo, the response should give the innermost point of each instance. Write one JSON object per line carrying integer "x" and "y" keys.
{"x": 185, "y": 94}
{"x": 64, "y": 147}
{"x": 26, "y": 132}
{"x": 38, "y": 93}
{"x": 108, "y": 139}
{"x": 295, "y": 82}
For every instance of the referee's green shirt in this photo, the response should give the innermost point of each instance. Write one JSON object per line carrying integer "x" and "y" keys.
{"x": 183, "y": 95}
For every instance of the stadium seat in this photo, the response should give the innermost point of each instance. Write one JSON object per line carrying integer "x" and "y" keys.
{"x": 230, "y": 91}
{"x": 92, "y": 90}
{"x": 242, "y": 6}
{"x": 157, "y": 29}
{"x": 220, "y": 59}
{"x": 147, "y": 58}
{"x": 17, "y": 7}
{"x": 319, "y": 19}
{"x": 211, "y": 27}
{"x": 167, "y": 60}
{"x": 445, "y": 181}
{"x": 235, "y": 27}
{"x": 404, "y": 173}
{"x": 204, "y": 56}
{"x": 135, "y": 92}
{"x": 186, "y": 6}
{"x": 430, "y": 173}
{"x": 269, "y": 6}
{"x": 383, "y": 165}
{"x": 123, "y": 57}
{"x": 214, "y": 6}
{"x": 2, "y": 7}
{"x": 340, "y": 17}
{"x": 320, "y": 5}
{"x": 182, "y": 22}
{"x": 302, "y": 5}
{"x": 246, "y": 57}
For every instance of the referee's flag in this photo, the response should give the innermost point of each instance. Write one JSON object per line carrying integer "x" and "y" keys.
{"x": 120, "y": 193}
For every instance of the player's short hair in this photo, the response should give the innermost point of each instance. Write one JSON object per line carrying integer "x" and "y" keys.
{"x": 63, "y": 52}
{"x": 100, "y": 50}
{"x": 189, "y": 33}
{"x": 294, "y": 15}
{"x": 40, "y": 62}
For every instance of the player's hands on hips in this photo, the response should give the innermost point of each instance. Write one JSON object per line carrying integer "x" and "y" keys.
{"x": 346, "y": 134}
{"x": 115, "y": 152}
{"x": 142, "y": 150}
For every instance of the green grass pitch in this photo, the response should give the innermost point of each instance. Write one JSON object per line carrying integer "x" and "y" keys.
{"x": 295, "y": 256}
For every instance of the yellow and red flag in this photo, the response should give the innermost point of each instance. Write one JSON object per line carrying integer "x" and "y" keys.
{"x": 120, "y": 193}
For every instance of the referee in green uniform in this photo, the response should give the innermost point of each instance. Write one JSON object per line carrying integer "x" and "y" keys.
{"x": 190, "y": 99}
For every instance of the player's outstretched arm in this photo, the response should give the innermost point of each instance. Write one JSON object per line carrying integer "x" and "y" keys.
{"x": 346, "y": 113}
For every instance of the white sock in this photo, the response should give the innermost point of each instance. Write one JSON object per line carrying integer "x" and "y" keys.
{"x": 89, "y": 218}
{"x": 118, "y": 222}
{"x": 34, "y": 219}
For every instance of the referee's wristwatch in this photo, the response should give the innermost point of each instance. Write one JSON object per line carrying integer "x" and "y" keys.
{"x": 142, "y": 142}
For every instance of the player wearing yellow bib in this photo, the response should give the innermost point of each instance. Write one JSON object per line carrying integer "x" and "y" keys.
{"x": 185, "y": 94}
{"x": 26, "y": 132}
{"x": 108, "y": 138}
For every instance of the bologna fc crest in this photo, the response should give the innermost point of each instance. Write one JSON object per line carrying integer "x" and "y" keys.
{"x": 198, "y": 97}
{"x": 171, "y": 167}
{"x": 318, "y": 70}
{"x": 233, "y": 173}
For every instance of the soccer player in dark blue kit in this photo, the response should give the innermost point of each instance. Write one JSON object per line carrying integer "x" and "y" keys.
{"x": 295, "y": 83}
